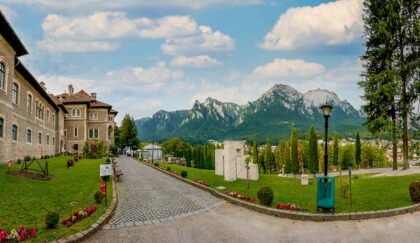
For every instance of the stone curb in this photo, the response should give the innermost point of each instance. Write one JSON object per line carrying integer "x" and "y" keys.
{"x": 95, "y": 226}
{"x": 304, "y": 216}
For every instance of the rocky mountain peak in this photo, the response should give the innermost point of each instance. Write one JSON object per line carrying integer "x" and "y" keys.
{"x": 320, "y": 96}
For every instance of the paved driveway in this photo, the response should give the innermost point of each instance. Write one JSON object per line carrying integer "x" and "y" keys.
{"x": 226, "y": 222}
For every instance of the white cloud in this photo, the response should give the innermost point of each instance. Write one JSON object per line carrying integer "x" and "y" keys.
{"x": 285, "y": 68}
{"x": 204, "y": 42}
{"x": 88, "y": 5}
{"x": 76, "y": 46}
{"x": 332, "y": 23}
{"x": 202, "y": 61}
{"x": 147, "y": 79}
{"x": 8, "y": 12}
{"x": 102, "y": 31}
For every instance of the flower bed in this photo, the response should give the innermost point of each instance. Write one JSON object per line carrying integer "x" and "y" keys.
{"x": 204, "y": 183}
{"x": 77, "y": 216}
{"x": 240, "y": 196}
{"x": 292, "y": 207}
{"x": 20, "y": 235}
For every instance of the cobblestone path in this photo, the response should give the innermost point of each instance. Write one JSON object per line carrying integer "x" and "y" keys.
{"x": 147, "y": 196}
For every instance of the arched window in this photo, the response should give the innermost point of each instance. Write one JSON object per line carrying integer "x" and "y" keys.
{"x": 29, "y": 103}
{"x": 1, "y": 127}
{"x": 48, "y": 139}
{"x": 15, "y": 91}
{"x": 109, "y": 132}
{"x": 29, "y": 136}
{"x": 2, "y": 75}
{"x": 14, "y": 133}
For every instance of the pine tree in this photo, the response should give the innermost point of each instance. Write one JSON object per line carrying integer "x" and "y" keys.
{"x": 294, "y": 160}
{"x": 268, "y": 158}
{"x": 358, "y": 151}
{"x": 379, "y": 77}
{"x": 335, "y": 149}
{"x": 313, "y": 152}
{"x": 128, "y": 132}
{"x": 286, "y": 158}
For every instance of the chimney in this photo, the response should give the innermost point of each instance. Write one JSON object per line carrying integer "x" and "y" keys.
{"x": 93, "y": 96}
{"x": 43, "y": 85}
{"x": 71, "y": 90}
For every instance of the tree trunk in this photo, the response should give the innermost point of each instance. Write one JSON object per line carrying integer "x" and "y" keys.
{"x": 394, "y": 139}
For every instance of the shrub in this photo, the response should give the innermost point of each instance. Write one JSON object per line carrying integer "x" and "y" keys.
{"x": 27, "y": 158}
{"x": 156, "y": 164}
{"x": 356, "y": 177}
{"x": 105, "y": 178}
{"x": 107, "y": 161}
{"x": 70, "y": 163}
{"x": 184, "y": 173}
{"x": 168, "y": 168}
{"x": 265, "y": 195}
{"x": 51, "y": 220}
{"x": 76, "y": 159}
{"x": 99, "y": 196}
{"x": 345, "y": 188}
{"x": 19, "y": 161}
{"x": 415, "y": 191}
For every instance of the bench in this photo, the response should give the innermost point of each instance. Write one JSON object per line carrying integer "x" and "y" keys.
{"x": 117, "y": 173}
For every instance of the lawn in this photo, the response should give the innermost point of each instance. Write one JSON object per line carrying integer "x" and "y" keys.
{"x": 27, "y": 201}
{"x": 369, "y": 193}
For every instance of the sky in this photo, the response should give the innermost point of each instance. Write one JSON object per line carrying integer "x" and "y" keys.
{"x": 143, "y": 56}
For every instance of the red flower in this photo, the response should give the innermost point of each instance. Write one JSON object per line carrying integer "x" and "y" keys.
{"x": 22, "y": 233}
{"x": 32, "y": 232}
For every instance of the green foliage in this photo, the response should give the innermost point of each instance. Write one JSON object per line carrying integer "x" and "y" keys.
{"x": 358, "y": 149}
{"x": 345, "y": 188}
{"x": 168, "y": 168}
{"x": 347, "y": 156}
{"x": 286, "y": 158}
{"x": 128, "y": 132}
{"x": 268, "y": 158}
{"x": 265, "y": 195}
{"x": 98, "y": 196}
{"x": 184, "y": 174}
{"x": 255, "y": 152}
{"x": 372, "y": 156}
{"x": 117, "y": 137}
{"x": 294, "y": 161}
{"x": 113, "y": 149}
{"x": 335, "y": 149}
{"x": 156, "y": 164}
{"x": 86, "y": 149}
{"x": 108, "y": 161}
{"x": 313, "y": 162}
{"x": 415, "y": 191}
{"x": 51, "y": 220}
{"x": 175, "y": 147}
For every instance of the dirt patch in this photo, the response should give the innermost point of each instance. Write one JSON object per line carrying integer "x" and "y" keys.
{"x": 31, "y": 175}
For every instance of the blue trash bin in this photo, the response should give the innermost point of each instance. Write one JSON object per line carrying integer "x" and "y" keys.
{"x": 325, "y": 192}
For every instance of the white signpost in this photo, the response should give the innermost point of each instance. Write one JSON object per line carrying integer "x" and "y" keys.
{"x": 105, "y": 170}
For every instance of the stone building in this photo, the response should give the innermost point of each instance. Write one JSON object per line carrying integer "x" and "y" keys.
{"x": 35, "y": 123}
{"x": 88, "y": 120}
{"x": 230, "y": 162}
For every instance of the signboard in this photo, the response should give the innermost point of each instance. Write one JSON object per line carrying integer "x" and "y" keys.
{"x": 105, "y": 170}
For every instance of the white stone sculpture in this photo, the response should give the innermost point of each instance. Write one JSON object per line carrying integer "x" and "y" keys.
{"x": 230, "y": 162}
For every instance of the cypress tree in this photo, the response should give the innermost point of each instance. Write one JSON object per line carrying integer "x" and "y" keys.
{"x": 286, "y": 157}
{"x": 335, "y": 150}
{"x": 261, "y": 161}
{"x": 268, "y": 158}
{"x": 358, "y": 152}
{"x": 313, "y": 152}
{"x": 255, "y": 152}
{"x": 294, "y": 160}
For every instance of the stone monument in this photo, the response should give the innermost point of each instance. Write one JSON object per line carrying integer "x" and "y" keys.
{"x": 231, "y": 162}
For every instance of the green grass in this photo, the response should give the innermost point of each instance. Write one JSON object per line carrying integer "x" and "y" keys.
{"x": 27, "y": 201}
{"x": 369, "y": 193}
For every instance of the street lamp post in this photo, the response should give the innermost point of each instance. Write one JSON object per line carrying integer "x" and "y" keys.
{"x": 326, "y": 110}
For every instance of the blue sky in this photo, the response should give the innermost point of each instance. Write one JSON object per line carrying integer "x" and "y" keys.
{"x": 143, "y": 56}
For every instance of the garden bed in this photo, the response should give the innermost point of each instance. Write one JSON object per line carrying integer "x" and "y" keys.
{"x": 369, "y": 193}
{"x": 27, "y": 201}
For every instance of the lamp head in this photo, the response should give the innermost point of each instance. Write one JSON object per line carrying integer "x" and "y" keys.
{"x": 326, "y": 109}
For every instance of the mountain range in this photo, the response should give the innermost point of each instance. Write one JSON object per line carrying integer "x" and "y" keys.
{"x": 270, "y": 116}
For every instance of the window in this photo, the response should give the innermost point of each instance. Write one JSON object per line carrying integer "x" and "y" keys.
{"x": 110, "y": 130}
{"x": 42, "y": 112}
{"x": 2, "y": 75}
{"x": 15, "y": 90}
{"x": 29, "y": 136}
{"x": 53, "y": 120}
{"x": 65, "y": 133}
{"x": 76, "y": 131}
{"x": 29, "y": 103}
{"x": 48, "y": 116}
{"x": 40, "y": 138}
{"x": 76, "y": 113}
{"x": 96, "y": 133}
{"x": 93, "y": 116}
{"x": 90, "y": 133}
{"x": 1, "y": 127}
{"x": 53, "y": 138}
{"x": 14, "y": 133}
{"x": 48, "y": 139}
{"x": 110, "y": 118}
